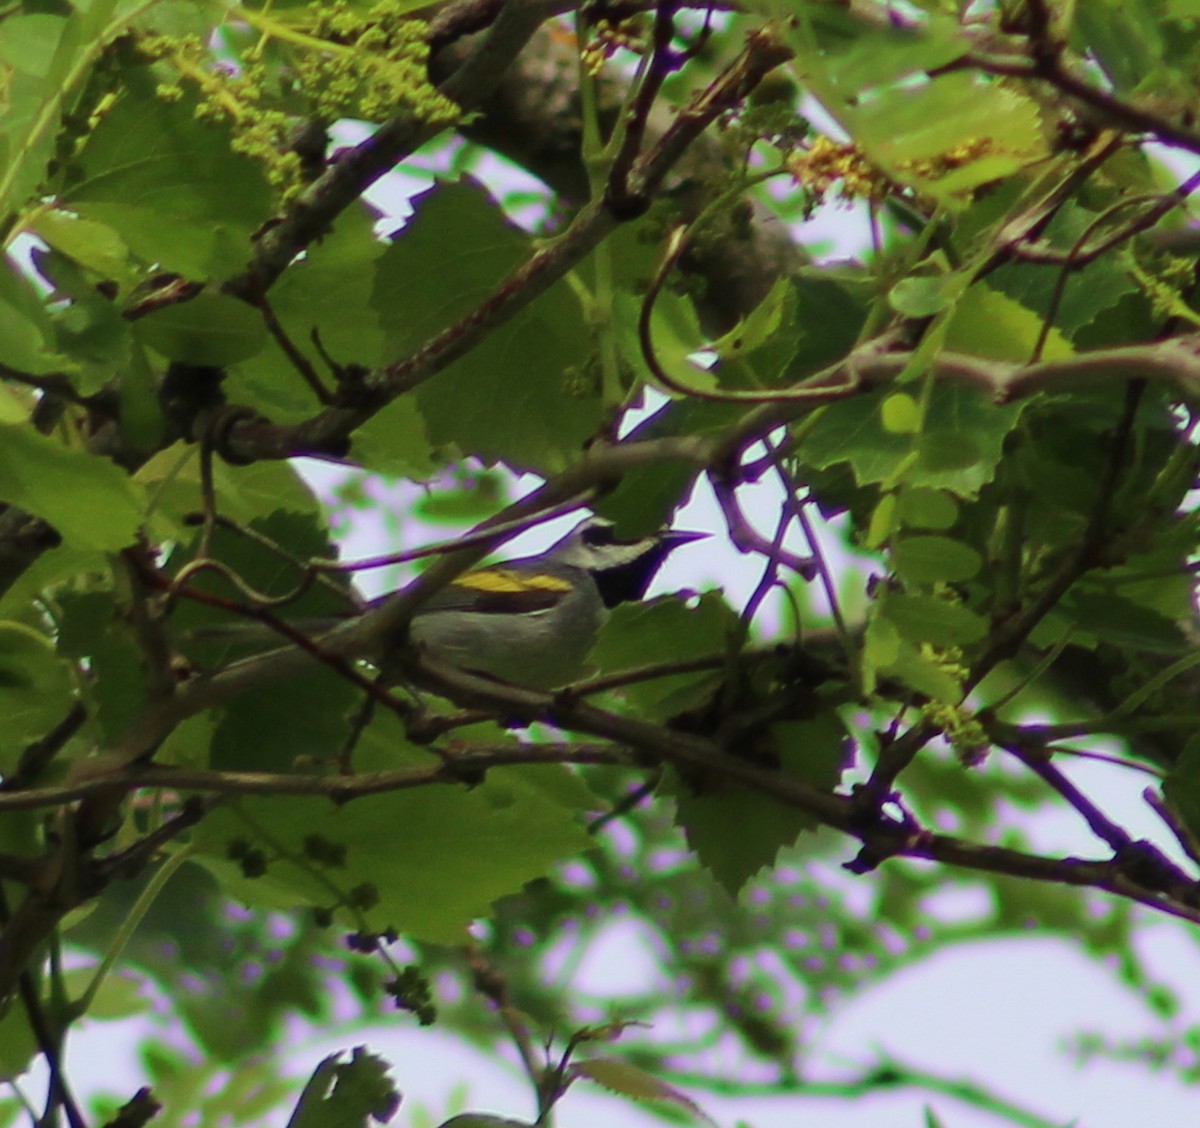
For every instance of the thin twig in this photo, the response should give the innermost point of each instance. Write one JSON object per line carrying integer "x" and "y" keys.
{"x": 746, "y": 538}
{"x": 1174, "y": 822}
{"x": 300, "y": 362}
{"x": 1101, "y": 825}
{"x": 49, "y": 1041}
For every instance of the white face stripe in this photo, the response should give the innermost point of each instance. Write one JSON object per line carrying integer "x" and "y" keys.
{"x": 578, "y": 550}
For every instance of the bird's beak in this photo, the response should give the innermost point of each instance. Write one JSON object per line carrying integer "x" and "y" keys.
{"x": 673, "y": 538}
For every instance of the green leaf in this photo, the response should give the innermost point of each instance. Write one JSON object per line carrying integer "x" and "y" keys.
{"x": 210, "y": 329}
{"x": 857, "y": 56}
{"x": 28, "y": 43}
{"x": 737, "y": 831}
{"x": 1118, "y": 621}
{"x": 95, "y": 629}
{"x": 35, "y": 690}
{"x": 627, "y": 1080}
{"x": 930, "y": 559}
{"x": 830, "y": 312}
{"x": 171, "y": 479}
{"x": 89, "y": 500}
{"x": 532, "y": 367}
{"x": 921, "y": 296}
{"x": 308, "y": 718}
{"x": 437, "y": 857}
{"x": 1088, "y": 294}
{"x": 88, "y": 324}
{"x": 760, "y": 325}
{"x": 95, "y": 246}
{"x": 923, "y": 508}
{"x": 1123, "y": 35}
{"x": 925, "y": 618}
{"x": 665, "y": 630}
{"x": 959, "y": 446}
{"x": 347, "y": 1094}
{"x": 646, "y": 497}
{"x": 948, "y": 136}
{"x": 883, "y": 522}
{"x": 169, "y": 184}
{"x": 120, "y": 995}
{"x": 18, "y": 1044}
{"x": 26, "y": 329}
{"x": 988, "y": 323}
{"x": 142, "y": 422}
{"x": 889, "y": 653}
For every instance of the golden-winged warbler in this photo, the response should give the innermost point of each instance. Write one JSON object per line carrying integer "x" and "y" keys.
{"x": 533, "y": 620}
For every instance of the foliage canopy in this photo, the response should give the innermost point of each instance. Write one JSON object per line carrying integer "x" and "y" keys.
{"x": 994, "y": 405}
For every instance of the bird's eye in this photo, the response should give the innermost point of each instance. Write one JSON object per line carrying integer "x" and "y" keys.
{"x": 599, "y": 533}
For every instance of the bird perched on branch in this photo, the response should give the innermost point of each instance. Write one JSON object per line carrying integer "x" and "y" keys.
{"x": 530, "y": 621}
{"x": 533, "y": 620}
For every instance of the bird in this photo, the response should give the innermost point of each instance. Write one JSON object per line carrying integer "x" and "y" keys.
{"x": 530, "y": 621}
{"x": 533, "y": 620}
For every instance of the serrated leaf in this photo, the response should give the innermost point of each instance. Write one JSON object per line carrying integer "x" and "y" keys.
{"x": 347, "y": 1094}
{"x": 959, "y": 446}
{"x": 437, "y": 857}
{"x": 948, "y": 136}
{"x": 986, "y": 322}
{"x": 629, "y": 1081}
{"x": 737, "y": 831}
{"x": 535, "y": 366}
{"x": 1089, "y": 293}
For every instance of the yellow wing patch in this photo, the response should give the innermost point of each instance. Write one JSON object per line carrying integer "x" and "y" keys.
{"x": 504, "y": 581}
